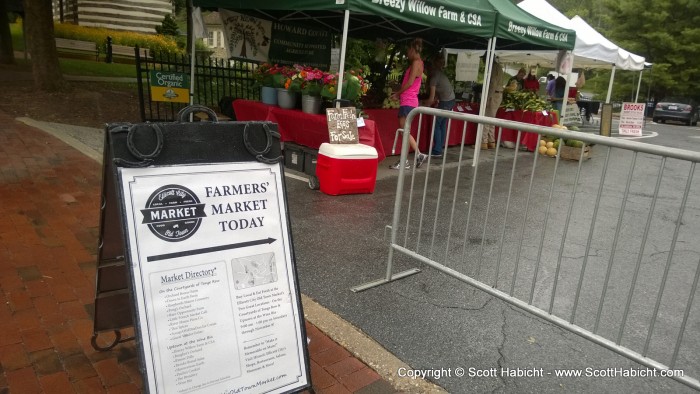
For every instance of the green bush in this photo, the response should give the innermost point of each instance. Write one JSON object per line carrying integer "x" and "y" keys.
{"x": 168, "y": 27}
{"x": 154, "y": 42}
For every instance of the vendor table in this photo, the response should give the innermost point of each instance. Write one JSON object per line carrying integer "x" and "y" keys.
{"x": 310, "y": 130}
{"x": 387, "y": 122}
{"x": 529, "y": 140}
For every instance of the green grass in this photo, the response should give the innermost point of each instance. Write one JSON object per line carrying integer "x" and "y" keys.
{"x": 17, "y": 37}
{"x": 76, "y": 66}
{"x": 91, "y": 68}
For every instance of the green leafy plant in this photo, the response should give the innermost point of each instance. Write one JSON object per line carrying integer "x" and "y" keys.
{"x": 168, "y": 27}
{"x": 312, "y": 80}
{"x": 98, "y": 35}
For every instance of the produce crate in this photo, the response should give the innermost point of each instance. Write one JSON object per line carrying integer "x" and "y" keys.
{"x": 293, "y": 157}
{"x": 570, "y": 153}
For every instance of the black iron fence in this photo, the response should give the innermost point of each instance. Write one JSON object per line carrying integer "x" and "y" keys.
{"x": 216, "y": 82}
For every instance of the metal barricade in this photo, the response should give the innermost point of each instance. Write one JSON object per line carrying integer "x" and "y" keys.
{"x": 606, "y": 248}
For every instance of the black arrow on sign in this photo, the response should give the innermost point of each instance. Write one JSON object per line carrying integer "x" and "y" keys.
{"x": 211, "y": 249}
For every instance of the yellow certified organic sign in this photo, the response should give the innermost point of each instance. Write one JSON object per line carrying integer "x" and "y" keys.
{"x": 170, "y": 86}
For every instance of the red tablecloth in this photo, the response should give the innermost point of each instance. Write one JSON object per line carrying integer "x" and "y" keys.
{"x": 304, "y": 129}
{"x": 387, "y": 123}
{"x": 530, "y": 140}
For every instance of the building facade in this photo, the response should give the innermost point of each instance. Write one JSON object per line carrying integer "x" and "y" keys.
{"x": 215, "y": 35}
{"x": 140, "y": 16}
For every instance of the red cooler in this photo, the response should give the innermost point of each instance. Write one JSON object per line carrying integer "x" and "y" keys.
{"x": 346, "y": 168}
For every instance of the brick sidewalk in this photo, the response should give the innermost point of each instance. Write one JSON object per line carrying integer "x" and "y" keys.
{"x": 49, "y": 205}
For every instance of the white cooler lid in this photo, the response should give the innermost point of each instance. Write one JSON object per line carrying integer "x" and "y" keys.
{"x": 348, "y": 151}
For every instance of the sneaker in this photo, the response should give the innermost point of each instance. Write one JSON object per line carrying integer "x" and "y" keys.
{"x": 420, "y": 159}
{"x": 436, "y": 155}
{"x": 397, "y": 165}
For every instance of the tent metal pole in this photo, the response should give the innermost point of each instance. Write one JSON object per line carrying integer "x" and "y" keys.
{"x": 192, "y": 67}
{"x": 565, "y": 99}
{"x": 639, "y": 85}
{"x": 488, "y": 69}
{"x": 612, "y": 78}
{"x": 343, "y": 48}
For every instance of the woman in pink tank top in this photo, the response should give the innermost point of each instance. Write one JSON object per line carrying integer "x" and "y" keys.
{"x": 408, "y": 96}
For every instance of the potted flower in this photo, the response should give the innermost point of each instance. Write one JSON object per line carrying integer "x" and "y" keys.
{"x": 269, "y": 77}
{"x": 355, "y": 85}
{"x": 311, "y": 85}
{"x": 330, "y": 87}
{"x": 286, "y": 94}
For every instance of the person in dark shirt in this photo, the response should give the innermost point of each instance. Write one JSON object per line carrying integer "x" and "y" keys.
{"x": 516, "y": 80}
{"x": 559, "y": 88}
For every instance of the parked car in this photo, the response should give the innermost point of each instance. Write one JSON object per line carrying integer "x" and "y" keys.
{"x": 676, "y": 109}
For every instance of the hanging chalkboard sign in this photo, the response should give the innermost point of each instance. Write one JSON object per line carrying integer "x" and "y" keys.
{"x": 207, "y": 246}
{"x": 342, "y": 125}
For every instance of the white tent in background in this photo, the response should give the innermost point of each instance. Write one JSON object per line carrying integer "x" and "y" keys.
{"x": 592, "y": 49}
{"x": 623, "y": 59}
{"x": 589, "y": 51}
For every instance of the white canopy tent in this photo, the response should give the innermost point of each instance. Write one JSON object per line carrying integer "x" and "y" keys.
{"x": 588, "y": 50}
{"x": 592, "y": 49}
{"x": 622, "y": 59}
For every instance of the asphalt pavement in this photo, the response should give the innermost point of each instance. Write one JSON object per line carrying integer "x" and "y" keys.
{"x": 439, "y": 325}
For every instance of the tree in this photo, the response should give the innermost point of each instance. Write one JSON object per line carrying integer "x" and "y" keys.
{"x": 667, "y": 34}
{"x": 7, "y": 55}
{"x": 42, "y": 46}
{"x": 168, "y": 27}
{"x": 179, "y": 5}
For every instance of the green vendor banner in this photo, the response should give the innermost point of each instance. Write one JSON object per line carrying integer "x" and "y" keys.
{"x": 457, "y": 18}
{"x": 512, "y": 23}
{"x": 292, "y": 44}
{"x": 275, "y": 42}
{"x": 453, "y": 23}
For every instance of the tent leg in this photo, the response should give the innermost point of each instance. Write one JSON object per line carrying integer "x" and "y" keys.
{"x": 612, "y": 78}
{"x": 490, "y": 55}
{"x": 343, "y": 48}
{"x": 565, "y": 100}
{"x": 639, "y": 85}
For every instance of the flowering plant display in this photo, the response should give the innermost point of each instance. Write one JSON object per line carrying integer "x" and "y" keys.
{"x": 269, "y": 75}
{"x": 312, "y": 80}
{"x": 355, "y": 85}
{"x": 292, "y": 80}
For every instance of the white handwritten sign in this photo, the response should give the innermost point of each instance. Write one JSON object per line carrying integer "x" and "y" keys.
{"x": 342, "y": 125}
{"x": 572, "y": 115}
{"x": 632, "y": 119}
{"x": 467, "y": 67}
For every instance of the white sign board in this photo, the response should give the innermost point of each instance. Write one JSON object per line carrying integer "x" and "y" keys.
{"x": 335, "y": 60}
{"x": 632, "y": 119}
{"x": 215, "y": 291}
{"x": 467, "y": 66}
{"x": 572, "y": 115}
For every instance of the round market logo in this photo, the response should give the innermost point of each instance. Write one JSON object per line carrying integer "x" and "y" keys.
{"x": 173, "y": 213}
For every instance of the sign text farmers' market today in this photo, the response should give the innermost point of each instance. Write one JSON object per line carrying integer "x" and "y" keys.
{"x": 420, "y": 7}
